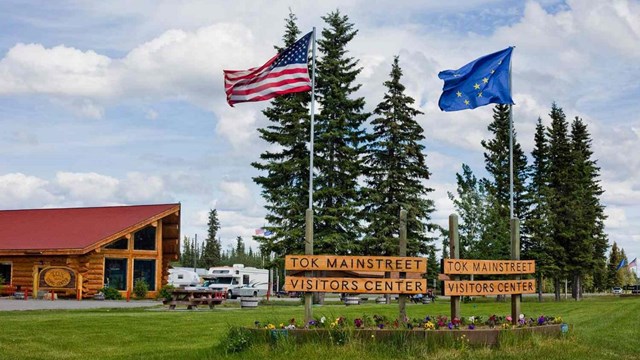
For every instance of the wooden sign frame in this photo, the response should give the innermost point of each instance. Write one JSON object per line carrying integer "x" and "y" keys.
{"x": 489, "y": 287}
{"x": 356, "y": 285}
{"x": 487, "y": 267}
{"x": 356, "y": 263}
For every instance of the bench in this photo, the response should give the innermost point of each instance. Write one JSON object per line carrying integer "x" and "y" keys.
{"x": 193, "y": 298}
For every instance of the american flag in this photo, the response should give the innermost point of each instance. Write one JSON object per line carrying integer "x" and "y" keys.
{"x": 284, "y": 73}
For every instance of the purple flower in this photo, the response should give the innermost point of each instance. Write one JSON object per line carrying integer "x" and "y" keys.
{"x": 471, "y": 327}
{"x": 450, "y": 325}
{"x": 313, "y": 323}
{"x": 381, "y": 326}
{"x": 541, "y": 320}
{"x": 357, "y": 323}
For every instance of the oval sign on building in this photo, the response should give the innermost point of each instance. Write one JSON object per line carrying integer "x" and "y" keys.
{"x": 57, "y": 278}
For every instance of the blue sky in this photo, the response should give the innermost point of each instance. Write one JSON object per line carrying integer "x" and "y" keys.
{"x": 121, "y": 102}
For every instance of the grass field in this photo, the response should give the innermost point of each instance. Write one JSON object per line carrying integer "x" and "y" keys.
{"x": 603, "y": 328}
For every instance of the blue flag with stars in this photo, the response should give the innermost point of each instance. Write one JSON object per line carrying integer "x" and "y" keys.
{"x": 480, "y": 82}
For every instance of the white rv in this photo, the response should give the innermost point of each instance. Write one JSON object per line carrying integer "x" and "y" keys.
{"x": 230, "y": 278}
{"x": 183, "y": 277}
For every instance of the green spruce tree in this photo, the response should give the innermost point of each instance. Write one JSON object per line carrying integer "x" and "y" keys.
{"x": 339, "y": 141}
{"x": 538, "y": 245}
{"x": 396, "y": 173}
{"x": 496, "y": 158}
{"x": 470, "y": 207}
{"x": 560, "y": 191}
{"x": 211, "y": 251}
{"x": 186, "y": 257}
{"x": 614, "y": 276}
{"x": 285, "y": 166}
{"x": 587, "y": 245}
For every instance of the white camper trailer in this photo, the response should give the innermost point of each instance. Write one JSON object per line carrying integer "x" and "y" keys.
{"x": 230, "y": 278}
{"x": 183, "y": 278}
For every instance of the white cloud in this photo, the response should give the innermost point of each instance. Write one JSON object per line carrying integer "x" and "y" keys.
{"x": 18, "y": 190}
{"x": 87, "y": 186}
{"x": 616, "y": 217}
{"x": 151, "y": 114}
{"x": 234, "y": 195}
{"x": 31, "y": 68}
{"x": 142, "y": 188}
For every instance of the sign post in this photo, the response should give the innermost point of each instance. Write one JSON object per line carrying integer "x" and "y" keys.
{"x": 515, "y": 255}
{"x": 308, "y": 250}
{"x": 402, "y": 300}
{"x": 454, "y": 252}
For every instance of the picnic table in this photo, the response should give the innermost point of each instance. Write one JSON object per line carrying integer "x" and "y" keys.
{"x": 194, "y": 297}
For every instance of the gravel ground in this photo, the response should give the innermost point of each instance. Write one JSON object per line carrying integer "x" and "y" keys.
{"x": 19, "y": 305}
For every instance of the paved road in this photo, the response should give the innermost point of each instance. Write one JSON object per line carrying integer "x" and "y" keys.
{"x": 17, "y": 305}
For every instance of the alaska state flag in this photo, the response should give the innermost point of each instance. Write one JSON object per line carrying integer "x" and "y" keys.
{"x": 623, "y": 262}
{"x": 480, "y": 82}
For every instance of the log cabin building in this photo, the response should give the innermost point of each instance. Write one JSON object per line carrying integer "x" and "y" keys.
{"x": 78, "y": 251}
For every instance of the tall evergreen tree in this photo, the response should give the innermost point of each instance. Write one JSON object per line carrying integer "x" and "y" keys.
{"x": 433, "y": 269}
{"x": 539, "y": 245}
{"x": 211, "y": 251}
{"x": 470, "y": 206}
{"x": 614, "y": 277}
{"x": 285, "y": 183}
{"x": 560, "y": 186}
{"x": 339, "y": 141}
{"x": 588, "y": 243}
{"x": 396, "y": 173}
{"x": 496, "y": 158}
{"x": 186, "y": 257}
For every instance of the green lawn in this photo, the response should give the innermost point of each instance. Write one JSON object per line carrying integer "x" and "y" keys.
{"x": 603, "y": 328}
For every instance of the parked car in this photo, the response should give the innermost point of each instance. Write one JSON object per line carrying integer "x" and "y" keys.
{"x": 617, "y": 290}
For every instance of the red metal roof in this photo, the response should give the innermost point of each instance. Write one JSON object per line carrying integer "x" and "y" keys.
{"x": 70, "y": 228}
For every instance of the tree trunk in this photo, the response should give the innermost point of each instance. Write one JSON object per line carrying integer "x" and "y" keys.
{"x": 540, "y": 287}
{"x": 577, "y": 285}
{"x": 556, "y": 286}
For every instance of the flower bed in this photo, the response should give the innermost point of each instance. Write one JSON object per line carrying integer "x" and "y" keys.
{"x": 474, "y": 330}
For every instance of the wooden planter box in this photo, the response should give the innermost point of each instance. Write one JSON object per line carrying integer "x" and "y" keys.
{"x": 487, "y": 337}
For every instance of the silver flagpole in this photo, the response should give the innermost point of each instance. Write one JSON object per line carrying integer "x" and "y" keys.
{"x": 510, "y": 147}
{"x": 313, "y": 95}
{"x": 308, "y": 244}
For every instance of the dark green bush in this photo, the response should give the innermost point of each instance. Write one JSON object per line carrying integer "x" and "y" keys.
{"x": 237, "y": 339}
{"x": 165, "y": 292}
{"x": 140, "y": 288}
{"x": 111, "y": 293}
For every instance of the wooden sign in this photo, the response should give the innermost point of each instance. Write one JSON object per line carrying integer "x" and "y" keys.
{"x": 489, "y": 287}
{"x": 487, "y": 267}
{"x": 57, "y": 277}
{"x": 356, "y": 285}
{"x": 356, "y": 263}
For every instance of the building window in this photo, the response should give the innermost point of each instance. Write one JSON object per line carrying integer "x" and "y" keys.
{"x": 245, "y": 279}
{"x": 120, "y": 244}
{"x": 5, "y": 273}
{"x": 115, "y": 273}
{"x": 145, "y": 269}
{"x": 145, "y": 239}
